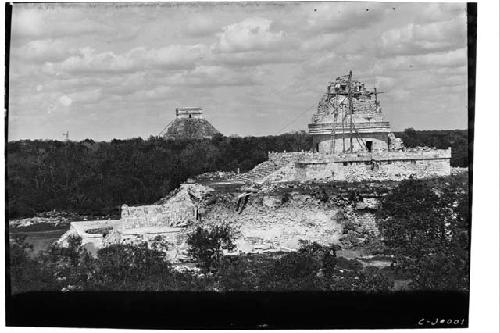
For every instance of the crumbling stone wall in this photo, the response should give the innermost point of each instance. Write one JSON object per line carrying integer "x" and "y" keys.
{"x": 324, "y": 142}
{"x": 387, "y": 165}
{"x": 177, "y": 210}
{"x": 393, "y": 170}
{"x": 83, "y": 230}
{"x": 364, "y": 104}
{"x": 314, "y": 170}
{"x": 285, "y": 173}
{"x": 157, "y": 215}
{"x": 289, "y": 157}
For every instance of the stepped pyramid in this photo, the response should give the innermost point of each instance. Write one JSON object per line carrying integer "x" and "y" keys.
{"x": 189, "y": 124}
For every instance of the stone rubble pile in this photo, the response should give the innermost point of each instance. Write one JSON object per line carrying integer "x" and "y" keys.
{"x": 261, "y": 171}
{"x": 54, "y": 218}
{"x": 458, "y": 170}
{"x": 286, "y": 173}
{"x": 274, "y": 217}
{"x": 177, "y": 209}
{"x": 358, "y": 228}
{"x": 263, "y": 228}
{"x": 217, "y": 175}
{"x": 395, "y": 144}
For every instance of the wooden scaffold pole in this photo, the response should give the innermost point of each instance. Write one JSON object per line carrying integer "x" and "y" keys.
{"x": 349, "y": 94}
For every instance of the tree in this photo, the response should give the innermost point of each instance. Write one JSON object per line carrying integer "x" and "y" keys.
{"x": 26, "y": 274}
{"x": 409, "y": 218}
{"x": 132, "y": 267}
{"x": 426, "y": 224}
{"x": 206, "y": 245}
{"x": 310, "y": 268}
{"x": 71, "y": 266}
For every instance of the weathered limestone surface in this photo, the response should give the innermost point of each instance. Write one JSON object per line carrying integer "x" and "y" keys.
{"x": 178, "y": 210}
{"x": 83, "y": 229}
{"x": 268, "y": 224}
{"x": 384, "y": 165}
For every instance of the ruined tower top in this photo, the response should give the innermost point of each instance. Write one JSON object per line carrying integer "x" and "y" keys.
{"x": 349, "y": 118}
{"x": 189, "y": 113}
{"x": 337, "y": 96}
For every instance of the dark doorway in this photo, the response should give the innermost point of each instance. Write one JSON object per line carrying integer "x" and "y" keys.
{"x": 317, "y": 147}
{"x": 189, "y": 116}
{"x": 369, "y": 146}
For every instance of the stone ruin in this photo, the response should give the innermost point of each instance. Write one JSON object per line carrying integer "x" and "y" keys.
{"x": 271, "y": 221}
{"x": 271, "y": 206}
{"x": 352, "y": 141}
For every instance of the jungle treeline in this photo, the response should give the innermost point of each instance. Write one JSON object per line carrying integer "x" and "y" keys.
{"x": 96, "y": 178}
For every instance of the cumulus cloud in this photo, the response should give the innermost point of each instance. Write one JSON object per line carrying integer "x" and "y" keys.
{"x": 201, "y": 26}
{"x": 65, "y": 100}
{"x": 86, "y": 96}
{"x": 170, "y": 57}
{"x": 421, "y": 38}
{"x": 249, "y": 34}
{"x": 435, "y": 61}
{"x": 220, "y": 76}
{"x": 453, "y": 58}
{"x": 27, "y": 21}
{"x": 434, "y": 12}
{"x": 343, "y": 17}
{"x": 322, "y": 41}
{"x": 255, "y": 58}
{"x": 52, "y": 20}
{"x": 43, "y": 50}
{"x": 268, "y": 59}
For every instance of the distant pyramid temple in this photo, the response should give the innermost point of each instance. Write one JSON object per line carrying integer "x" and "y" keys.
{"x": 189, "y": 124}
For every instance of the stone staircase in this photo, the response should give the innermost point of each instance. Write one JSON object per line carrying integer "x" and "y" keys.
{"x": 261, "y": 171}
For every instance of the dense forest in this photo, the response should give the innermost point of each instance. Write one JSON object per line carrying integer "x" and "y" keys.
{"x": 96, "y": 178}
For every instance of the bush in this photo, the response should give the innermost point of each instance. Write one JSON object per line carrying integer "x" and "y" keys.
{"x": 143, "y": 268}
{"x": 426, "y": 224}
{"x": 301, "y": 270}
{"x": 238, "y": 273}
{"x": 26, "y": 274}
{"x": 131, "y": 267}
{"x": 206, "y": 246}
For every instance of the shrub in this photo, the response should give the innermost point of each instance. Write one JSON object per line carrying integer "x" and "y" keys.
{"x": 426, "y": 223}
{"x": 131, "y": 267}
{"x": 206, "y": 246}
{"x": 301, "y": 270}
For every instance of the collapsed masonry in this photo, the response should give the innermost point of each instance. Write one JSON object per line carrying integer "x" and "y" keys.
{"x": 271, "y": 207}
{"x": 271, "y": 221}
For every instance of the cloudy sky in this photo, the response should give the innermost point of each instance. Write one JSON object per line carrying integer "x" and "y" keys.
{"x": 105, "y": 71}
